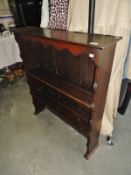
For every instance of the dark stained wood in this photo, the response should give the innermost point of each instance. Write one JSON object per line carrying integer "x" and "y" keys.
{"x": 79, "y": 95}
{"x": 68, "y": 75}
{"x": 70, "y": 116}
{"x": 47, "y": 53}
{"x": 102, "y": 76}
{"x": 76, "y": 38}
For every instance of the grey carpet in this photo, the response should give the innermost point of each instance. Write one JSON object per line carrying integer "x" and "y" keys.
{"x": 45, "y": 145}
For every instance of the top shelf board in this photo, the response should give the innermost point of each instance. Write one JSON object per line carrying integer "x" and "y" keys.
{"x": 97, "y": 41}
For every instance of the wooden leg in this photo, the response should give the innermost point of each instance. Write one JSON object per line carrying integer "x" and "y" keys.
{"x": 92, "y": 143}
{"x": 39, "y": 106}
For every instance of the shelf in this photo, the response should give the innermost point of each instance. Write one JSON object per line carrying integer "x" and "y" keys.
{"x": 70, "y": 90}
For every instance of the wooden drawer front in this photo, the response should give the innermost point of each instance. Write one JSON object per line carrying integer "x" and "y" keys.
{"x": 76, "y": 69}
{"x": 75, "y": 106}
{"x": 73, "y": 118}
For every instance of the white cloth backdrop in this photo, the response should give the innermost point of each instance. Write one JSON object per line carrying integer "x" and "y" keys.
{"x": 45, "y": 14}
{"x": 4, "y": 4}
{"x": 128, "y": 65}
{"x": 9, "y": 51}
{"x": 4, "y": 7}
{"x": 112, "y": 18}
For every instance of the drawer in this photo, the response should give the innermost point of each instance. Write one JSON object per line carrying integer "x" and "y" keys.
{"x": 70, "y": 116}
{"x": 75, "y": 106}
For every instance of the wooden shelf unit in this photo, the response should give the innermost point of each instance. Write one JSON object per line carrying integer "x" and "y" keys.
{"x": 69, "y": 74}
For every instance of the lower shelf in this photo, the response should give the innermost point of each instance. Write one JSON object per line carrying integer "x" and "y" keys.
{"x": 74, "y": 119}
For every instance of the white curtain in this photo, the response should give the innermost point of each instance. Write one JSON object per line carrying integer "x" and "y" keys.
{"x": 111, "y": 18}
{"x": 128, "y": 64}
{"x": 4, "y": 7}
{"x": 45, "y": 14}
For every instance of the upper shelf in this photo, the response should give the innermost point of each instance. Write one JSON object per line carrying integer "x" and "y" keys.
{"x": 97, "y": 41}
